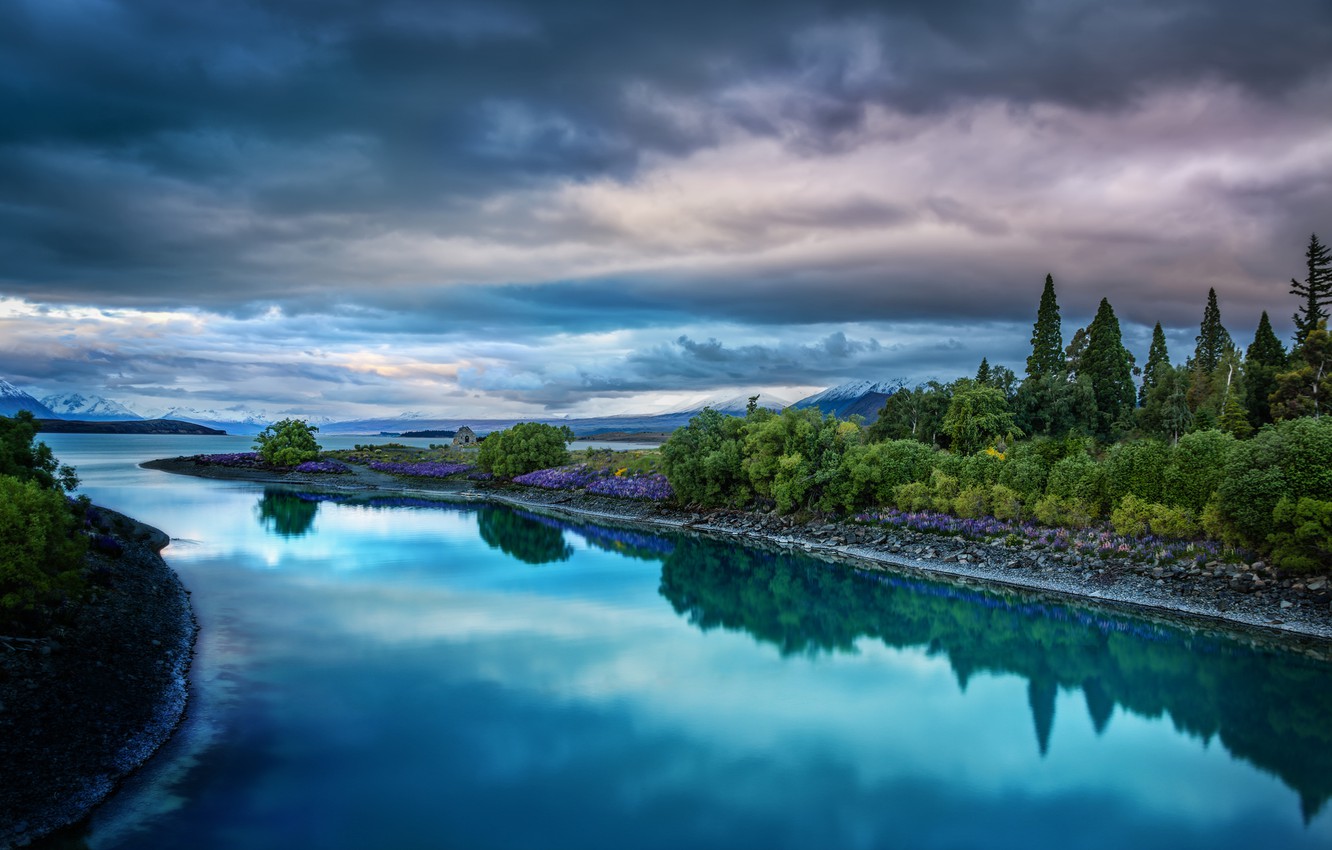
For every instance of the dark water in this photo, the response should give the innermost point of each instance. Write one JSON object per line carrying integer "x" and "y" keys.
{"x": 389, "y": 672}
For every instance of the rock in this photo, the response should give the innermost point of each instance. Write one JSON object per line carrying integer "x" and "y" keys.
{"x": 1285, "y": 603}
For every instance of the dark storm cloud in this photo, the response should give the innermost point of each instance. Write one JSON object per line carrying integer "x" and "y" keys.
{"x": 167, "y": 152}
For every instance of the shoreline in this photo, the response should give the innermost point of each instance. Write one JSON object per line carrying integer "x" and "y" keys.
{"x": 86, "y": 706}
{"x": 1236, "y": 598}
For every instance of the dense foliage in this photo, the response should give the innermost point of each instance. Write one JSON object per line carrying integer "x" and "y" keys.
{"x": 1192, "y": 455}
{"x": 42, "y": 540}
{"x": 287, "y": 443}
{"x": 526, "y": 447}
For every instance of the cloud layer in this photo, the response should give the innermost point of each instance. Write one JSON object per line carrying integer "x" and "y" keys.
{"x": 432, "y": 178}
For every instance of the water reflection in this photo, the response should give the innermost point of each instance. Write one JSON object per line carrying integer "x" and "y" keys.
{"x": 1267, "y": 708}
{"x": 286, "y": 513}
{"x": 524, "y": 537}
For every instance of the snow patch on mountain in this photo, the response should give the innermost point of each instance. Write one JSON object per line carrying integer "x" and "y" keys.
{"x": 13, "y": 399}
{"x": 850, "y": 391}
{"x": 88, "y": 407}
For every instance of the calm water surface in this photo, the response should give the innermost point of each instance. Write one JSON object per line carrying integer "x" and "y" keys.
{"x": 401, "y": 674}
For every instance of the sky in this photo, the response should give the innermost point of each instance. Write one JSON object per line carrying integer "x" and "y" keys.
{"x": 354, "y": 208}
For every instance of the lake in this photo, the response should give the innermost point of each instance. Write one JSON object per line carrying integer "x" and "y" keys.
{"x": 400, "y": 673}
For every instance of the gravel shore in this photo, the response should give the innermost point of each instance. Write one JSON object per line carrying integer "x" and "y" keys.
{"x": 1253, "y": 598}
{"x": 84, "y": 706}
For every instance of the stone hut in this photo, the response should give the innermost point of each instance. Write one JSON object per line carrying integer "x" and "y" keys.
{"x": 464, "y": 438}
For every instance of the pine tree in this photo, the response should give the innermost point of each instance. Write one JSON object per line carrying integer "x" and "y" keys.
{"x": 1158, "y": 359}
{"x": 1315, "y": 289}
{"x": 1213, "y": 339}
{"x": 1213, "y": 343}
{"x": 1306, "y": 390}
{"x": 1265, "y": 357}
{"x": 983, "y": 373}
{"x": 1109, "y": 366}
{"x": 1047, "y": 339}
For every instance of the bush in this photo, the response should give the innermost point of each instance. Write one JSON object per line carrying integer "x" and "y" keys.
{"x": 973, "y": 502}
{"x": 26, "y": 460}
{"x": 943, "y": 490}
{"x": 1132, "y": 517}
{"x": 1174, "y": 523}
{"x": 1197, "y": 466}
{"x": 1136, "y": 468}
{"x": 703, "y": 460}
{"x": 1078, "y": 478}
{"x": 913, "y": 497}
{"x": 42, "y": 548}
{"x": 1005, "y": 503}
{"x": 1066, "y": 512}
{"x": 287, "y": 443}
{"x": 526, "y": 447}
{"x": 1302, "y": 539}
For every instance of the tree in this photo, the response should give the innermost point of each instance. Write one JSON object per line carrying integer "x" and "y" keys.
{"x": 1158, "y": 360}
{"x": 27, "y": 460}
{"x": 983, "y": 373}
{"x": 703, "y": 459}
{"x": 1213, "y": 343}
{"x": 914, "y": 414}
{"x": 41, "y": 548}
{"x": 1315, "y": 289}
{"x": 1047, "y": 339}
{"x": 1265, "y": 357}
{"x": 1109, "y": 366}
{"x": 287, "y": 443}
{"x": 976, "y": 417}
{"x": 526, "y": 447}
{"x": 1306, "y": 389}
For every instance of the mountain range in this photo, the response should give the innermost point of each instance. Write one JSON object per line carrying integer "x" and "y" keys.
{"x": 864, "y": 398}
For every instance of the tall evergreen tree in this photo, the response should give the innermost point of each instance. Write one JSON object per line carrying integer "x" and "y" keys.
{"x": 1264, "y": 358}
{"x": 1213, "y": 344}
{"x": 1306, "y": 390}
{"x": 1158, "y": 359}
{"x": 1047, "y": 339}
{"x": 1315, "y": 289}
{"x": 1109, "y": 366}
{"x": 1213, "y": 339}
{"x": 983, "y": 373}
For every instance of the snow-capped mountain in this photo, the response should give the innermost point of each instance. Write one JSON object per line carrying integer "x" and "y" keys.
{"x": 88, "y": 407}
{"x": 231, "y": 420}
{"x": 854, "y": 398}
{"x": 13, "y": 399}
{"x": 730, "y": 405}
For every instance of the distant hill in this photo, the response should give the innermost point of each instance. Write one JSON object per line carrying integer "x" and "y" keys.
{"x": 93, "y": 408}
{"x": 138, "y": 426}
{"x": 13, "y": 399}
{"x": 854, "y": 398}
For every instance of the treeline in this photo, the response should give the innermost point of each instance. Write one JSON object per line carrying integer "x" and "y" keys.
{"x": 1229, "y": 444}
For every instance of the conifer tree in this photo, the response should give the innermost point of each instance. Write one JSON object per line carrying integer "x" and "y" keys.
{"x": 1213, "y": 339}
{"x": 1047, "y": 339}
{"x": 1306, "y": 389}
{"x": 1263, "y": 359}
{"x": 1315, "y": 289}
{"x": 983, "y": 373}
{"x": 1158, "y": 359}
{"x": 1109, "y": 366}
{"x": 1213, "y": 343}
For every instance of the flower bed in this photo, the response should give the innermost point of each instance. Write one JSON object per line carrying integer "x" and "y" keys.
{"x": 242, "y": 460}
{"x": 603, "y": 482}
{"x": 1091, "y": 542}
{"x": 324, "y": 467}
{"x": 420, "y": 469}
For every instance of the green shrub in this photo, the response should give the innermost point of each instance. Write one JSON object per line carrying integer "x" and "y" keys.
{"x": 1066, "y": 512}
{"x": 913, "y": 497}
{"x": 1174, "y": 523}
{"x": 1026, "y": 468}
{"x": 1077, "y": 477}
{"x": 1132, "y": 517}
{"x": 1302, "y": 539}
{"x": 26, "y": 460}
{"x": 526, "y": 447}
{"x": 287, "y": 443}
{"x": 943, "y": 490}
{"x": 1197, "y": 466}
{"x": 1005, "y": 503}
{"x": 41, "y": 548}
{"x": 972, "y": 502}
{"x": 1136, "y": 468}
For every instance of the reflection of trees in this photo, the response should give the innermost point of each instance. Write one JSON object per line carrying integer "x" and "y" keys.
{"x": 1268, "y": 708}
{"x": 525, "y": 538}
{"x": 286, "y": 513}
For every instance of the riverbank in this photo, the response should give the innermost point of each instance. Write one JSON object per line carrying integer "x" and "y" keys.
{"x": 84, "y": 706}
{"x": 1248, "y": 597}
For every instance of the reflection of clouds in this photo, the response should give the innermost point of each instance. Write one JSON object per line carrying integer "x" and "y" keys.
{"x": 883, "y": 711}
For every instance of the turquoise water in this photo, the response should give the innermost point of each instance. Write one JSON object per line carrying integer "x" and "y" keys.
{"x": 387, "y": 673}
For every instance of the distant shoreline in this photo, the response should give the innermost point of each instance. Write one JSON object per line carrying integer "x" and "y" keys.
{"x": 129, "y": 426}
{"x": 1208, "y": 600}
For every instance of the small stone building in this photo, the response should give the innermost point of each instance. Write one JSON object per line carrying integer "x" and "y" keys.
{"x": 464, "y": 438}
